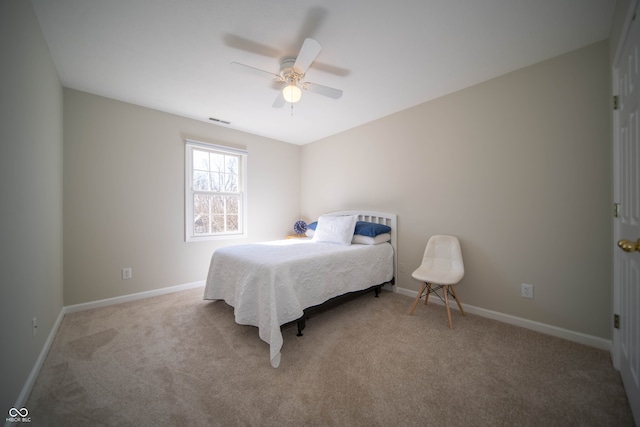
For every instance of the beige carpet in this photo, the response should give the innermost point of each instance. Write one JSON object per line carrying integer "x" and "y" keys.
{"x": 177, "y": 360}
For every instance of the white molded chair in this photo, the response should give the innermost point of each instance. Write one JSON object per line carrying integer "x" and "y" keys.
{"x": 441, "y": 268}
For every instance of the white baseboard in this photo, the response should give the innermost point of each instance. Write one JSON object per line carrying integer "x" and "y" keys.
{"x": 544, "y": 328}
{"x": 131, "y": 297}
{"x": 35, "y": 371}
{"x": 33, "y": 375}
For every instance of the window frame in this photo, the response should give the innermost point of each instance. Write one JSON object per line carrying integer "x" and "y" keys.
{"x": 190, "y": 235}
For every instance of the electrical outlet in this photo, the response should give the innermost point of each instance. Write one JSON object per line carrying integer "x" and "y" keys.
{"x": 34, "y": 325}
{"x": 527, "y": 291}
{"x": 126, "y": 273}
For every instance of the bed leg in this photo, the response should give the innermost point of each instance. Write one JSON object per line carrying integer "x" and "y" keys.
{"x": 301, "y": 324}
{"x": 377, "y": 290}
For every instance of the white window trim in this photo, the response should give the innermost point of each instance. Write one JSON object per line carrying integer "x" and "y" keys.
{"x": 188, "y": 191}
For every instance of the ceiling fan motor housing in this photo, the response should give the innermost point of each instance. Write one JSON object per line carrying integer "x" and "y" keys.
{"x": 287, "y": 71}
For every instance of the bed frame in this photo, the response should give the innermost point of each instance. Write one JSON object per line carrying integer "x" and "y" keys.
{"x": 385, "y": 218}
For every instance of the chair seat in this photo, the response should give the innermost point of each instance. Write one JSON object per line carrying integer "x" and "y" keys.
{"x": 438, "y": 277}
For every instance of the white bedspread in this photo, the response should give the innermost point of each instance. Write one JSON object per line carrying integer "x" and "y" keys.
{"x": 270, "y": 284}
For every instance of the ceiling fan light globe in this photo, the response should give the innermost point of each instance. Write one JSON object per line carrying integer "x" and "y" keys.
{"x": 292, "y": 93}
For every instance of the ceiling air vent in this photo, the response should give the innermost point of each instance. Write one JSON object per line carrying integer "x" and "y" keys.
{"x": 224, "y": 122}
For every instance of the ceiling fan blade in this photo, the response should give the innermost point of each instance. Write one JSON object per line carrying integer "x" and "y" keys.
{"x": 279, "y": 102}
{"x": 308, "y": 53}
{"x": 322, "y": 90}
{"x": 241, "y": 68}
{"x": 248, "y": 45}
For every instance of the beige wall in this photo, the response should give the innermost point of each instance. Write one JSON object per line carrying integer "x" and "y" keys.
{"x": 519, "y": 168}
{"x": 30, "y": 196}
{"x": 124, "y": 196}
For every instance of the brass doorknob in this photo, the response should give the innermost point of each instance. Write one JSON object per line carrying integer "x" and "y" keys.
{"x": 628, "y": 245}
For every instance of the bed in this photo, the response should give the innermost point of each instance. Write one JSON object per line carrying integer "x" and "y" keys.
{"x": 274, "y": 283}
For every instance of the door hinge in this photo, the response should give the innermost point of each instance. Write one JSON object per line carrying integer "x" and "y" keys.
{"x": 616, "y": 321}
{"x": 616, "y": 210}
{"x": 615, "y": 102}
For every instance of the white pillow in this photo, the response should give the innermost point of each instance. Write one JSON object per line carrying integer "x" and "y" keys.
{"x": 366, "y": 240}
{"x": 335, "y": 229}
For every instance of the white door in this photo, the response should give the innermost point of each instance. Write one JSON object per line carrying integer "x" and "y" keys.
{"x": 626, "y": 294}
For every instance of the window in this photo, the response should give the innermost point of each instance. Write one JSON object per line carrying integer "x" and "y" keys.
{"x": 215, "y": 191}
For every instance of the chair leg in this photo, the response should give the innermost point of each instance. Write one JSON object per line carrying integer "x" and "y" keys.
{"x": 446, "y": 304}
{"x": 415, "y": 303}
{"x": 453, "y": 291}
{"x": 426, "y": 297}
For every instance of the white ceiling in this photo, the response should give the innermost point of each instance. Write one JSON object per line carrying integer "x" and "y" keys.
{"x": 174, "y": 55}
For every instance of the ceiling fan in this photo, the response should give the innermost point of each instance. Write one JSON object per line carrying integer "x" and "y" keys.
{"x": 292, "y": 72}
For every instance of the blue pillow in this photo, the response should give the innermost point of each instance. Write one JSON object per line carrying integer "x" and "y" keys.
{"x": 371, "y": 229}
{"x": 363, "y": 228}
